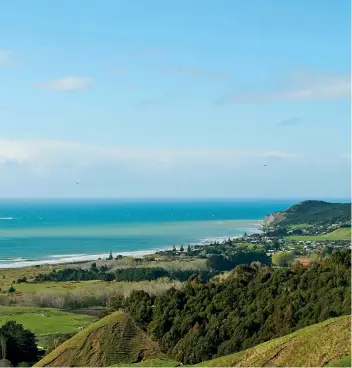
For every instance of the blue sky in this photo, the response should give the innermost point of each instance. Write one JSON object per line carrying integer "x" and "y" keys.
{"x": 201, "y": 98}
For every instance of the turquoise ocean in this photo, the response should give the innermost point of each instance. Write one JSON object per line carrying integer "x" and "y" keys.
{"x": 54, "y": 231}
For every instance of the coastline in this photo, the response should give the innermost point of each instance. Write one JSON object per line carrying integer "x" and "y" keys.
{"x": 57, "y": 259}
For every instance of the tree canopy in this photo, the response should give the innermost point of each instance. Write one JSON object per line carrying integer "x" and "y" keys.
{"x": 254, "y": 304}
{"x": 17, "y": 344}
{"x": 282, "y": 258}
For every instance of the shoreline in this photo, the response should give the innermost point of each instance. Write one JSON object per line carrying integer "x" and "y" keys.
{"x": 67, "y": 258}
{"x": 78, "y": 258}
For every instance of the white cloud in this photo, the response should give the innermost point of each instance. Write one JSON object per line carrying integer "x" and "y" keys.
{"x": 71, "y": 83}
{"x": 302, "y": 86}
{"x": 6, "y": 58}
{"x": 40, "y": 155}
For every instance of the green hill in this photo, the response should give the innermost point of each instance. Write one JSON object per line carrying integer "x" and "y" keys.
{"x": 310, "y": 212}
{"x": 112, "y": 340}
{"x": 318, "y": 345}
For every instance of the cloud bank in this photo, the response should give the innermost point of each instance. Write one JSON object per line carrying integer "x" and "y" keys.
{"x": 49, "y": 153}
{"x": 53, "y": 169}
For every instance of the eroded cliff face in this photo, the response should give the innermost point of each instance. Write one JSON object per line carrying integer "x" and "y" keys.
{"x": 274, "y": 218}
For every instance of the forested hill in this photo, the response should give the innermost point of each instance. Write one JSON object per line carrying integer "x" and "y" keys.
{"x": 310, "y": 212}
{"x": 253, "y": 305}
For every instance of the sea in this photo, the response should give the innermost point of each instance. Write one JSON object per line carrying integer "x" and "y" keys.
{"x": 58, "y": 231}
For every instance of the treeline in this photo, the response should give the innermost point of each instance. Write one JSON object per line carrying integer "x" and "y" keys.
{"x": 255, "y": 304}
{"x": 227, "y": 260}
{"x": 153, "y": 273}
{"x": 124, "y": 274}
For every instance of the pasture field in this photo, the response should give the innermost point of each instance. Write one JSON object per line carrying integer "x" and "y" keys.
{"x": 77, "y": 295}
{"x": 339, "y": 234}
{"x": 124, "y": 287}
{"x": 8, "y": 276}
{"x": 44, "y": 320}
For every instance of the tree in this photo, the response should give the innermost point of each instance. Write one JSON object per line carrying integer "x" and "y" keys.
{"x": 110, "y": 257}
{"x": 314, "y": 257}
{"x": 174, "y": 249}
{"x": 276, "y": 244}
{"x": 109, "y": 277}
{"x": 3, "y": 344}
{"x": 181, "y": 248}
{"x": 93, "y": 267}
{"x": 11, "y": 289}
{"x": 116, "y": 302}
{"x": 327, "y": 251}
{"x": 103, "y": 268}
{"x": 282, "y": 258}
{"x": 189, "y": 248}
{"x": 20, "y": 343}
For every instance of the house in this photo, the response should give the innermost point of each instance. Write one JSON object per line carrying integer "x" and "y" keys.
{"x": 303, "y": 260}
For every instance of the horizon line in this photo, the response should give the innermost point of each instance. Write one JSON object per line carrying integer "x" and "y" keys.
{"x": 302, "y": 198}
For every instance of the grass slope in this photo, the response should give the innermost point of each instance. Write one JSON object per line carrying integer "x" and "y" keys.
{"x": 114, "y": 339}
{"x": 343, "y": 362}
{"x": 338, "y": 234}
{"x": 44, "y": 320}
{"x": 314, "y": 346}
{"x": 309, "y": 212}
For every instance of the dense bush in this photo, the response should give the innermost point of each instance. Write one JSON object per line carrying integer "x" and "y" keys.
{"x": 139, "y": 274}
{"x": 253, "y": 305}
{"x": 229, "y": 260}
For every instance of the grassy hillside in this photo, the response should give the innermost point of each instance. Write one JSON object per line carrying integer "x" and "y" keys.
{"x": 309, "y": 212}
{"x": 338, "y": 234}
{"x": 343, "y": 362}
{"x": 112, "y": 340}
{"x": 314, "y": 346}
